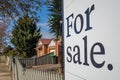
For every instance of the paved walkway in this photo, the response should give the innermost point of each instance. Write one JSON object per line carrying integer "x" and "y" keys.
{"x": 5, "y": 74}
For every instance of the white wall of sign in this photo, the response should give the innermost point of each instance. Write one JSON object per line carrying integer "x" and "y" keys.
{"x": 92, "y": 39}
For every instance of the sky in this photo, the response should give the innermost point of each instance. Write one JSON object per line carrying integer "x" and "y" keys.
{"x": 43, "y": 23}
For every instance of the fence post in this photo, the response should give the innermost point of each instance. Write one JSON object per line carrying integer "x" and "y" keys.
{"x": 16, "y": 68}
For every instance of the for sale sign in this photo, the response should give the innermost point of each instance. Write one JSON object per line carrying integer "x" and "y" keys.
{"x": 91, "y": 39}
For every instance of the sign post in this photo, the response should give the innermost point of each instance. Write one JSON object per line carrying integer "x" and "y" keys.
{"x": 91, "y": 39}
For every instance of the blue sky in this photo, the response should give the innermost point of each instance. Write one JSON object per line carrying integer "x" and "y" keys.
{"x": 43, "y": 23}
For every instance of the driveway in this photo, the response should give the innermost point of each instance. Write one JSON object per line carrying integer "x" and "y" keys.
{"x": 5, "y": 74}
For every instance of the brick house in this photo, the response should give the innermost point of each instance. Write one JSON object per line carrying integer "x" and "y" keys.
{"x": 46, "y": 46}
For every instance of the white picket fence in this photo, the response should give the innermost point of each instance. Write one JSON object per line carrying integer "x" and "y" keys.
{"x": 21, "y": 73}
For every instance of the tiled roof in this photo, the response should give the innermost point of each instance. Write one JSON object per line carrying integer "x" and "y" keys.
{"x": 45, "y": 41}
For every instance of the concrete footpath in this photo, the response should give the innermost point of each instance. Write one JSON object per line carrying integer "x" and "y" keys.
{"x": 5, "y": 74}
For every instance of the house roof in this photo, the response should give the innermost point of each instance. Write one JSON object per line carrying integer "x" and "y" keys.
{"x": 45, "y": 41}
{"x": 52, "y": 43}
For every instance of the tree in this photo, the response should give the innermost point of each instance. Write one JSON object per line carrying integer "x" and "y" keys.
{"x": 8, "y": 51}
{"x": 19, "y": 8}
{"x": 25, "y": 35}
{"x": 3, "y": 34}
{"x": 55, "y": 16}
{"x": 55, "y": 22}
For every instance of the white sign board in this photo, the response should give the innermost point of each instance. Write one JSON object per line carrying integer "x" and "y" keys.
{"x": 91, "y": 39}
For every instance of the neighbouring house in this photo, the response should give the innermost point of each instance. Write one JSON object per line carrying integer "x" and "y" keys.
{"x": 46, "y": 46}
